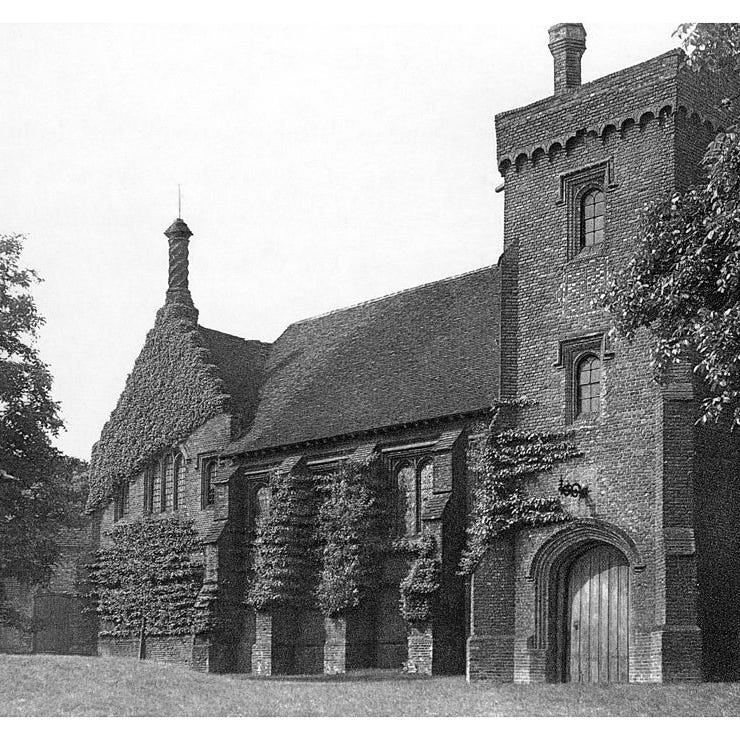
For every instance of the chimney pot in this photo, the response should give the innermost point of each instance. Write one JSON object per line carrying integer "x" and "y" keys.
{"x": 567, "y": 44}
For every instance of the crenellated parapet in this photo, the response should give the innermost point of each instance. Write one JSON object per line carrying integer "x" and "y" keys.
{"x": 621, "y": 125}
{"x": 661, "y": 89}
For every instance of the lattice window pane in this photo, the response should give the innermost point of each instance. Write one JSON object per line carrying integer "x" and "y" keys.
{"x": 406, "y": 486}
{"x": 263, "y": 506}
{"x": 209, "y": 489}
{"x": 156, "y": 493}
{"x": 426, "y": 488}
{"x": 169, "y": 483}
{"x": 179, "y": 487}
{"x": 589, "y": 385}
{"x": 592, "y": 218}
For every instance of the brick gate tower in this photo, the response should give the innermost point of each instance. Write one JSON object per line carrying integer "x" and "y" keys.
{"x": 621, "y": 592}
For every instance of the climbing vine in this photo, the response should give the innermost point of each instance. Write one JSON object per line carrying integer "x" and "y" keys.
{"x": 151, "y": 574}
{"x": 171, "y": 390}
{"x": 421, "y": 584}
{"x": 285, "y": 550}
{"x": 350, "y": 522}
{"x": 502, "y": 461}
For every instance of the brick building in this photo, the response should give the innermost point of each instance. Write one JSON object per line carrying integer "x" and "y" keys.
{"x": 640, "y": 585}
{"x": 54, "y": 616}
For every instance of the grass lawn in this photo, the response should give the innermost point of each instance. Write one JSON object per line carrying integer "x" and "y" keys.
{"x": 43, "y": 685}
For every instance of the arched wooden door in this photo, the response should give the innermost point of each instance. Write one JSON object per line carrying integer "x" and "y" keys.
{"x": 597, "y": 617}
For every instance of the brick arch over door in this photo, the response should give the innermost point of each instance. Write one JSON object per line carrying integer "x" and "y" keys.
{"x": 549, "y": 567}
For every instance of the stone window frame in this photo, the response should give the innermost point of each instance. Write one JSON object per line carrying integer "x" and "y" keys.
{"x": 179, "y": 468}
{"x": 417, "y": 461}
{"x": 168, "y": 469}
{"x": 571, "y": 352}
{"x": 205, "y": 462}
{"x": 573, "y": 186}
{"x": 578, "y": 385}
{"x": 587, "y": 223}
{"x": 149, "y": 486}
{"x": 158, "y": 467}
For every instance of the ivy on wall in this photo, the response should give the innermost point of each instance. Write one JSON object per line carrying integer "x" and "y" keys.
{"x": 350, "y": 524}
{"x": 171, "y": 390}
{"x": 151, "y": 573}
{"x": 285, "y": 548}
{"x": 502, "y": 461}
{"x": 421, "y": 584}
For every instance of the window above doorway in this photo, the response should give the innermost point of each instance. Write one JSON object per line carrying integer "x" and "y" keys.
{"x": 581, "y": 359}
{"x": 583, "y": 192}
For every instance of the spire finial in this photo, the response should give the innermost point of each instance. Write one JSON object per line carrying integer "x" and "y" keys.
{"x": 179, "y": 201}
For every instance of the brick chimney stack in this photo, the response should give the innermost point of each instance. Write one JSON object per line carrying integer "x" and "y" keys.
{"x": 567, "y": 44}
{"x": 178, "y": 236}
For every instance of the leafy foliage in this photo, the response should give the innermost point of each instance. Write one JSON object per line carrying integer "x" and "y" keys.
{"x": 503, "y": 460}
{"x": 39, "y": 491}
{"x": 286, "y": 548}
{"x": 152, "y": 572}
{"x": 30, "y": 518}
{"x": 711, "y": 46}
{"x": 683, "y": 282}
{"x": 421, "y": 584}
{"x": 28, "y": 415}
{"x": 171, "y": 391}
{"x": 350, "y": 521}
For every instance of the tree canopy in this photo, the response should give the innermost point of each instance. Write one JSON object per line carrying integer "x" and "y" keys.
{"x": 39, "y": 488}
{"x": 683, "y": 282}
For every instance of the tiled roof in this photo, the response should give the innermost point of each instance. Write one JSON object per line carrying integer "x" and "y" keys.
{"x": 240, "y": 363}
{"x": 419, "y": 354}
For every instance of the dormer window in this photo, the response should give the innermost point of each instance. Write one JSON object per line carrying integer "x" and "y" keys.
{"x": 592, "y": 219}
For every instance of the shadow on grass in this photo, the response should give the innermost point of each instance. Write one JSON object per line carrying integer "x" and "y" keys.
{"x": 369, "y": 675}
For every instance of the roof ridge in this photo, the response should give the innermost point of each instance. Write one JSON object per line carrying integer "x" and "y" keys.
{"x": 394, "y": 293}
{"x": 233, "y": 336}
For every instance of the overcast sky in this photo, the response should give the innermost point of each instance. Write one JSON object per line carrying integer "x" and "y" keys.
{"x": 320, "y": 166}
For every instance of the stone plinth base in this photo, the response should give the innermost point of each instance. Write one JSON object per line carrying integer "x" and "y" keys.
{"x": 490, "y": 657}
{"x": 421, "y": 650}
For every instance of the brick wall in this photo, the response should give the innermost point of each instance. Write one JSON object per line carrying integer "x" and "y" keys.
{"x": 57, "y": 611}
{"x": 210, "y": 437}
{"x": 637, "y": 454}
{"x": 224, "y": 558}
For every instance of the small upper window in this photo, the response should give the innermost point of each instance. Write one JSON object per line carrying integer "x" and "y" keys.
{"x": 178, "y": 489}
{"x": 414, "y": 486}
{"x": 208, "y": 497}
{"x": 157, "y": 486}
{"x": 262, "y": 506}
{"x": 592, "y": 218}
{"x": 168, "y": 480}
{"x": 120, "y": 506}
{"x": 426, "y": 489}
{"x": 406, "y": 488}
{"x": 588, "y": 385}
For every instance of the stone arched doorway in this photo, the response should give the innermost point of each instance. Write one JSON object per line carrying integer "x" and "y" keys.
{"x": 582, "y": 603}
{"x": 589, "y": 616}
